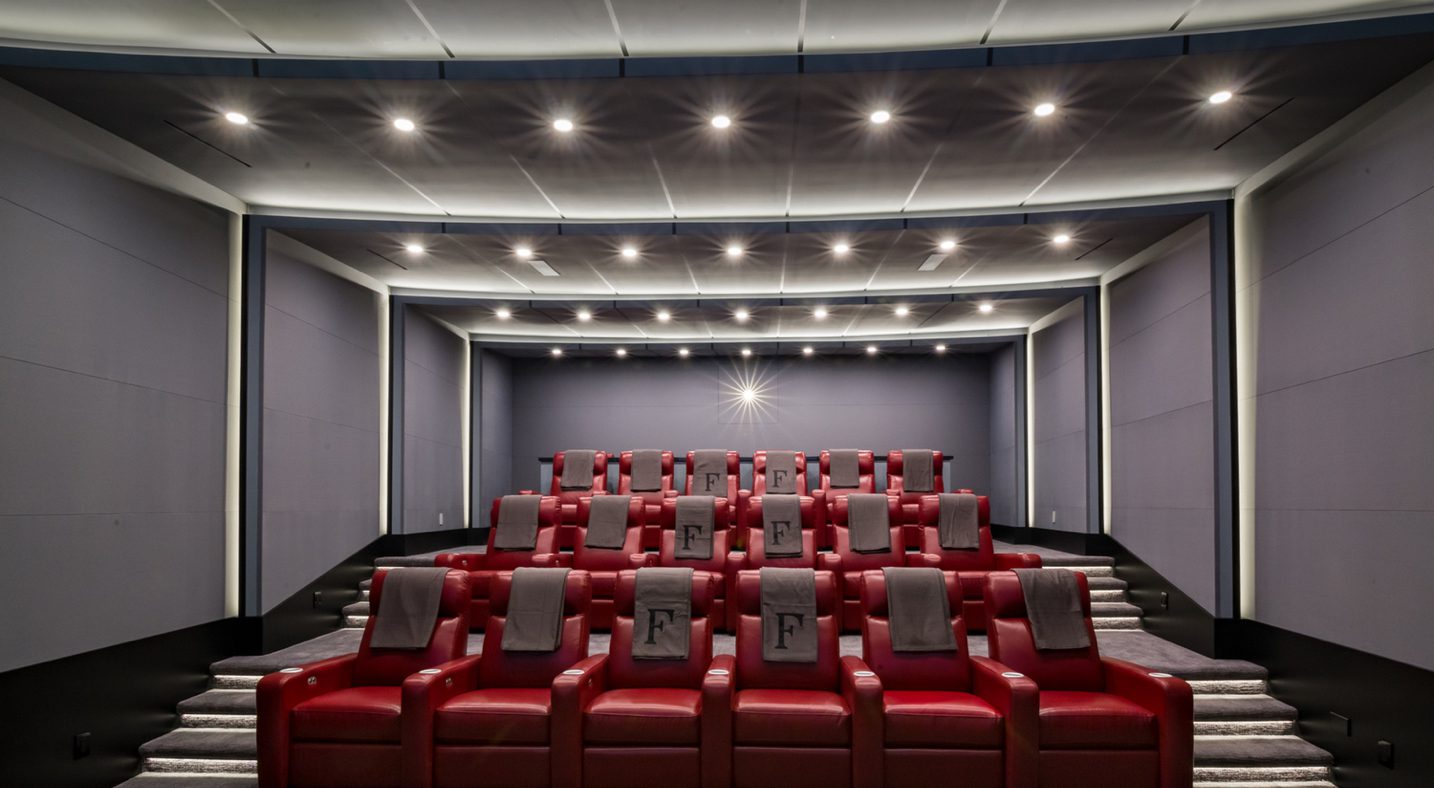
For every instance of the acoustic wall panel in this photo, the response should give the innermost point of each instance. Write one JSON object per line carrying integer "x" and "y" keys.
{"x": 1058, "y": 384}
{"x": 1003, "y": 490}
{"x": 432, "y": 425}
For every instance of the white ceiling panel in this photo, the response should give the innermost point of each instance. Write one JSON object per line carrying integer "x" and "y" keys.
{"x": 1238, "y": 13}
{"x": 861, "y": 25}
{"x": 509, "y": 29}
{"x": 681, "y": 27}
{"x": 127, "y": 24}
{"x": 337, "y": 28}
{"x": 1022, "y": 21}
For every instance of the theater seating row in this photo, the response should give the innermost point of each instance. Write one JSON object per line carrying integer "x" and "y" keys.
{"x": 845, "y": 563}
{"x": 1026, "y": 717}
{"x": 823, "y": 492}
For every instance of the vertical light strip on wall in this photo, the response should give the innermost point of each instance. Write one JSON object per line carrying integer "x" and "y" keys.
{"x": 383, "y": 352}
{"x": 1105, "y": 436}
{"x": 232, "y": 437}
{"x": 1030, "y": 430}
{"x": 466, "y": 411}
{"x": 1246, "y": 323}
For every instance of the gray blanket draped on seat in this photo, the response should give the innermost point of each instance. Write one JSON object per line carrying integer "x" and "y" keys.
{"x": 1054, "y": 609}
{"x": 781, "y": 472}
{"x": 646, "y": 470}
{"x": 868, "y": 522}
{"x": 709, "y": 472}
{"x": 957, "y": 525}
{"x": 607, "y": 522}
{"x": 535, "y": 610}
{"x": 918, "y": 610}
{"x": 662, "y": 613}
{"x": 916, "y": 471}
{"x": 693, "y": 526}
{"x": 578, "y": 469}
{"x": 844, "y": 468}
{"x": 408, "y": 607}
{"x": 789, "y": 615}
{"x": 517, "y": 522}
{"x": 782, "y": 525}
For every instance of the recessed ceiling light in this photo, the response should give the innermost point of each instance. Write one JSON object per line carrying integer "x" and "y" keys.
{"x": 414, "y": 248}
{"x": 663, "y": 315}
{"x": 902, "y": 311}
{"x": 939, "y": 348}
{"x": 808, "y": 350}
{"x": 871, "y": 350}
{"x": 1061, "y": 239}
{"x": 734, "y": 251}
{"x": 629, "y": 252}
{"x": 404, "y": 124}
{"x": 947, "y": 244}
{"x": 986, "y": 308}
{"x": 584, "y": 315}
{"x": 683, "y": 352}
{"x": 621, "y": 352}
{"x": 1221, "y": 96}
{"x": 820, "y": 313}
{"x": 741, "y": 315}
{"x": 503, "y": 313}
{"x": 880, "y": 116}
{"x": 240, "y": 119}
{"x": 1045, "y": 109}
{"x": 746, "y": 352}
{"x": 721, "y": 121}
{"x": 563, "y": 125}
{"x": 557, "y": 351}
{"x": 523, "y": 252}
{"x": 841, "y": 248}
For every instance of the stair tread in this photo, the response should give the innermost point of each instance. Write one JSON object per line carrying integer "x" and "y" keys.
{"x": 1106, "y": 583}
{"x": 203, "y": 743}
{"x": 329, "y": 644}
{"x": 161, "y": 780}
{"x": 1248, "y": 707}
{"x": 1259, "y": 751}
{"x": 359, "y": 608}
{"x": 220, "y": 702}
{"x": 1103, "y": 609}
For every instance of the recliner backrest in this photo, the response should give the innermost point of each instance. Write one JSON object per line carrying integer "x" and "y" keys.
{"x": 608, "y": 560}
{"x": 1008, "y": 633}
{"x": 980, "y": 559}
{"x": 753, "y": 672}
{"x": 759, "y": 472}
{"x": 390, "y": 666}
{"x": 721, "y": 537}
{"x": 756, "y": 547}
{"x": 895, "y": 468}
{"x": 906, "y": 670}
{"x": 599, "y": 475}
{"x": 624, "y": 477}
{"x": 841, "y": 537}
{"x": 625, "y": 672}
{"x": 499, "y": 668}
{"x": 734, "y": 477}
{"x": 547, "y": 541}
{"x": 866, "y": 466}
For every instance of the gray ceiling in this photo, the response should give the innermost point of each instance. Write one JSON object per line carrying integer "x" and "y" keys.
{"x": 615, "y": 28}
{"x": 801, "y": 146}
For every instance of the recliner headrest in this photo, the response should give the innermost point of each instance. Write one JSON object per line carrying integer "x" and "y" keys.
{"x": 636, "y": 510}
{"x": 453, "y": 601}
{"x": 874, "y": 600}
{"x": 719, "y": 513}
{"x": 1004, "y": 598}
{"x": 840, "y": 510}
{"x": 704, "y": 592}
{"x": 749, "y": 592}
{"x": 577, "y": 599}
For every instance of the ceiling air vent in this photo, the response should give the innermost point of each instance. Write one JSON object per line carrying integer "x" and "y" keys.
{"x": 543, "y": 267}
{"x": 932, "y": 263}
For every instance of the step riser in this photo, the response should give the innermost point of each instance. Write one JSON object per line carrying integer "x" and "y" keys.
{"x": 170, "y": 765}
{"x": 236, "y": 682}
{"x": 218, "y": 720}
{"x": 1228, "y": 687}
{"x": 1260, "y": 775}
{"x": 1244, "y": 727}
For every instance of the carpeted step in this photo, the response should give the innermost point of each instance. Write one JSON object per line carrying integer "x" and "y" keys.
{"x": 356, "y": 609}
{"x": 190, "y": 780}
{"x": 1105, "y": 583}
{"x": 1265, "y": 784}
{"x": 1242, "y": 707}
{"x": 1258, "y": 751}
{"x": 1113, "y": 609}
{"x": 330, "y": 644}
{"x": 202, "y": 743}
{"x": 220, "y": 702}
{"x": 366, "y": 583}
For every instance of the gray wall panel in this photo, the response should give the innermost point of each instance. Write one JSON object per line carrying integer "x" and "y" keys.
{"x": 321, "y": 424}
{"x": 1059, "y": 424}
{"x": 495, "y": 416}
{"x": 882, "y": 404}
{"x": 1003, "y": 436}
{"x": 433, "y": 425}
{"x": 1343, "y": 348}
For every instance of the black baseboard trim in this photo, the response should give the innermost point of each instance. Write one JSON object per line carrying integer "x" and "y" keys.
{"x": 1376, "y": 699}
{"x": 122, "y": 696}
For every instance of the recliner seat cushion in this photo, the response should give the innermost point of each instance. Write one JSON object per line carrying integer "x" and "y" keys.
{"x": 648, "y": 716}
{"x": 791, "y": 717}
{"x": 1094, "y": 720}
{"x": 501, "y": 715}
{"x": 355, "y": 714}
{"x": 955, "y": 720}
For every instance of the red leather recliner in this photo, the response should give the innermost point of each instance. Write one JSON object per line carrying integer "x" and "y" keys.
{"x": 756, "y": 556}
{"x": 759, "y": 487}
{"x": 651, "y": 499}
{"x": 971, "y": 566}
{"x": 603, "y": 565}
{"x": 734, "y": 495}
{"x": 501, "y": 718}
{"x": 911, "y": 501}
{"x": 943, "y": 712}
{"x": 866, "y": 483}
{"x": 792, "y": 721}
{"x": 1104, "y": 723}
{"x": 481, "y": 567}
{"x": 852, "y": 564}
{"x": 568, "y": 499}
{"x": 723, "y": 562}
{"x": 337, "y": 722}
{"x": 660, "y": 722}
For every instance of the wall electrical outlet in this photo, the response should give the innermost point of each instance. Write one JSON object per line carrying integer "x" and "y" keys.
{"x": 82, "y": 745}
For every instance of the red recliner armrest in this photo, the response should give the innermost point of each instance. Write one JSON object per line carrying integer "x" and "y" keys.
{"x": 467, "y": 561}
{"x": 923, "y": 560}
{"x": 1018, "y": 699}
{"x": 573, "y": 690}
{"x": 639, "y": 560}
{"x": 527, "y": 492}
{"x": 862, "y": 690}
{"x": 735, "y": 563}
{"x": 1172, "y": 702}
{"x": 717, "y": 695}
{"x": 744, "y": 498}
{"x": 1017, "y": 561}
{"x": 278, "y": 694}
{"x": 552, "y": 560}
{"x": 423, "y": 693}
